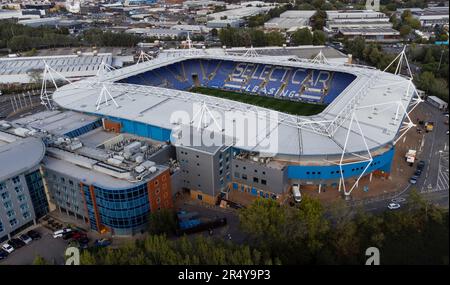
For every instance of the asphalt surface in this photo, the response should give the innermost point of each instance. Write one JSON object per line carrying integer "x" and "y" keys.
{"x": 47, "y": 247}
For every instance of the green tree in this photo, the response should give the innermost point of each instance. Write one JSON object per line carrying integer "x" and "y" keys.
{"x": 302, "y": 37}
{"x": 39, "y": 260}
{"x": 275, "y": 39}
{"x": 162, "y": 221}
{"x": 405, "y": 30}
{"x": 319, "y": 38}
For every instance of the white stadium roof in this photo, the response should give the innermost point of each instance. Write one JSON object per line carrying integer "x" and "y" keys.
{"x": 374, "y": 103}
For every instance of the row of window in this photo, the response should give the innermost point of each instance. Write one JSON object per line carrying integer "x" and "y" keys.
{"x": 255, "y": 179}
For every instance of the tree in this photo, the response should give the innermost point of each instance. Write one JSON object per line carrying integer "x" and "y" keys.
{"x": 275, "y": 39}
{"x": 405, "y": 30}
{"x": 39, "y": 260}
{"x": 319, "y": 38}
{"x": 214, "y": 32}
{"x": 162, "y": 221}
{"x": 302, "y": 37}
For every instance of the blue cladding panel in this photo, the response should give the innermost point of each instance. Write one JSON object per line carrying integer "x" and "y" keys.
{"x": 143, "y": 130}
{"x": 381, "y": 162}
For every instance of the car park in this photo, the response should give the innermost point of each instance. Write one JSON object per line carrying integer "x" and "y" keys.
{"x": 393, "y": 206}
{"x": 25, "y": 238}
{"x": 61, "y": 232}
{"x": 3, "y": 254}
{"x": 7, "y": 247}
{"x": 34, "y": 235}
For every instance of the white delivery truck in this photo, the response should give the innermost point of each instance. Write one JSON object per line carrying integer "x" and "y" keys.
{"x": 411, "y": 156}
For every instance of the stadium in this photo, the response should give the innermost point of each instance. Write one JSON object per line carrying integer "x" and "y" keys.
{"x": 315, "y": 123}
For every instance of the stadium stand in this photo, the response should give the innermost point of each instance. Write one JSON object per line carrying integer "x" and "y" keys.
{"x": 308, "y": 85}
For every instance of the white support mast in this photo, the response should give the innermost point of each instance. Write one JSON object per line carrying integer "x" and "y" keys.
{"x": 51, "y": 75}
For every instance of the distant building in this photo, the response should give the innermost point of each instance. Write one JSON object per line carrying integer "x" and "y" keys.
{"x": 290, "y": 20}
{"x": 385, "y": 35}
{"x": 430, "y": 17}
{"x": 350, "y": 19}
{"x": 22, "y": 193}
{"x": 157, "y": 33}
{"x": 18, "y": 70}
{"x": 224, "y": 23}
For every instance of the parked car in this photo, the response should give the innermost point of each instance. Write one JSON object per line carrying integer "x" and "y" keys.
{"x": 78, "y": 235}
{"x": 413, "y": 180}
{"x": 421, "y": 165}
{"x": 25, "y": 238}
{"x": 102, "y": 242}
{"x": 16, "y": 243}
{"x": 3, "y": 254}
{"x": 34, "y": 235}
{"x": 67, "y": 236}
{"x": 60, "y": 233}
{"x": 418, "y": 173}
{"x": 393, "y": 206}
{"x": 7, "y": 247}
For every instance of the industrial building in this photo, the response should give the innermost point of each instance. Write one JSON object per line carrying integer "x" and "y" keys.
{"x": 372, "y": 25}
{"x": 381, "y": 35}
{"x": 21, "y": 69}
{"x": 290, "y": 20}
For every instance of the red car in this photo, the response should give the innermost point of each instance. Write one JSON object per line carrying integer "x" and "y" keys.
{"x": 78, "y": 236}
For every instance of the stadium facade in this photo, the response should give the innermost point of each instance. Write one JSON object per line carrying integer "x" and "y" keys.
{"x": 353, "y": 137}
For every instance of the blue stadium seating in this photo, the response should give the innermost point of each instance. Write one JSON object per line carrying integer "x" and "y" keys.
{"x": 309, "y": 85}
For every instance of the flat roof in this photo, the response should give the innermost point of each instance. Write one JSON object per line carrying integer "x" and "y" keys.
{"x": 56, "y": 122}
{"x": 19, "y": 156}
{"x": 155, "y": 105}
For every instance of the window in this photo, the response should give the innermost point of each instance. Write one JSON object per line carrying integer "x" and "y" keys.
{"x": 263, "y": 182}
{"x": 255, "y": 179}
{"x": 2, "y": 186}
{"x": 10, "y": 213}
{"x": 26, "y": 215}
{"x": 5, "y": 196}
{"x": 244, "y": 176}
{"x": 13, "y": 222}
{"x": 236, "y": 175}
{"x": 16, "y": 180}
{"x": 18, "y": 189}
{"x": 8, "y": 205}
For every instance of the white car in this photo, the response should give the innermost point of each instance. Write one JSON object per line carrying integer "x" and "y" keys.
{"x": 8, "y": 248}
{"x": 60, "y": 233}
{"x": 393, "y": 206}
{"x": 25, "y": 238}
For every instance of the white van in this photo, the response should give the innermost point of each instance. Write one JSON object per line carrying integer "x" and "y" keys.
{"x": 296, "y": 192}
